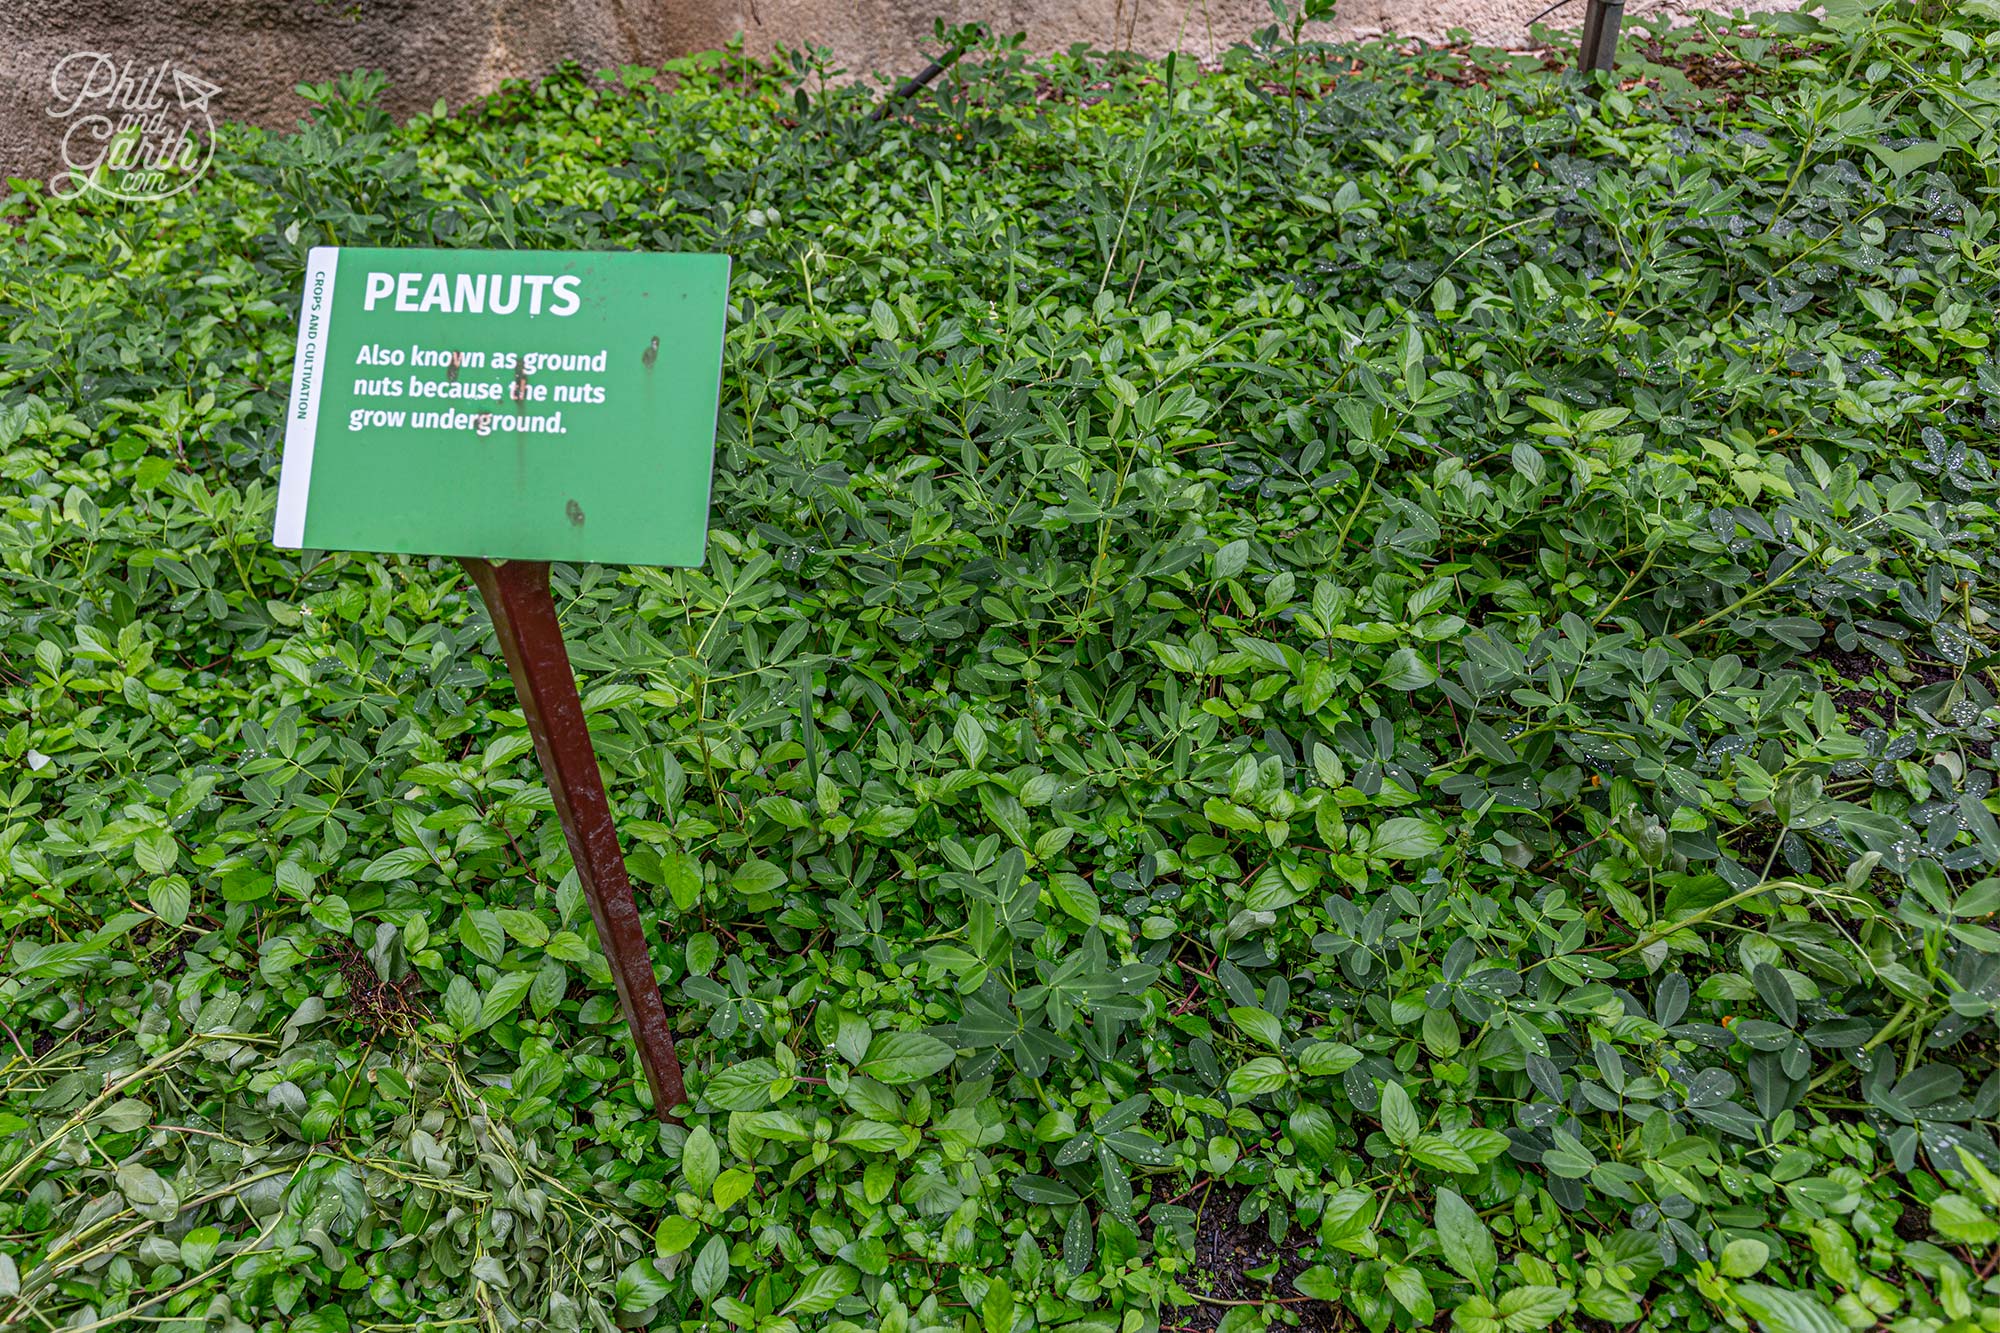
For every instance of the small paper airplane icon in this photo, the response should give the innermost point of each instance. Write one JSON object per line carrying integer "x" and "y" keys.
{"x": 194, "y": 93}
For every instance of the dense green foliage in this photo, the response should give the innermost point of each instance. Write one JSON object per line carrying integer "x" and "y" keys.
{"x": 1388, "y": 646}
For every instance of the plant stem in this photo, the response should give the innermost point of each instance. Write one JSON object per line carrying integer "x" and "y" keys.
{"x": 1654, "y": 937}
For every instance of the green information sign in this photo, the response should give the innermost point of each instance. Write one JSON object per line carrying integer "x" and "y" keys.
{"x": 518, "y": 405}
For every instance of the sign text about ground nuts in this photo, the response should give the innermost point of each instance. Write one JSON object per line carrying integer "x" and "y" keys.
{"x": 525, "y": 405}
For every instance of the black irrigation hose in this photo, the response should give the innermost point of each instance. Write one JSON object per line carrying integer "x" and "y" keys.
{"x": 911, "y": 87}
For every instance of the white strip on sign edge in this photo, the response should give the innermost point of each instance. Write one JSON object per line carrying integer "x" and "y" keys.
{"x": 309, "y": 371}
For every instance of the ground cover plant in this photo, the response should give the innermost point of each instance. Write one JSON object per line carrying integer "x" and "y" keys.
{"x": 1354, "y": 690}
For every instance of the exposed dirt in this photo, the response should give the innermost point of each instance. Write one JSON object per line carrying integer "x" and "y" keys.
{"x": 1225, "y": 1252}
{"x": 371, "y": 999}
{"x": 165, "y": 948}
{"x": 1854, "y": 667}
{"x": 1720, "y": 72}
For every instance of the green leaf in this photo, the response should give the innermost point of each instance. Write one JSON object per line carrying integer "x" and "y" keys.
{"x": 170, "y": 897}
{"x": 479, "y": 931}
{"x": 504, "y": 749}
{"x": 1960, "y": 1219}
{"x": 1743, "y": 1256}
{"x": 1040, "y": 1189}
{"x": 1980, "y": 1174}
{"x": 1400, "y": 1120}
{"x": 1466, "y": 1241}
{"x": 883, "y": 316}
{"x": 525, "y": 927}
{"x": 682, "y": 876}
{"x": 822, "y": 1290}
{"x": 1349, "y": 1221}
{"x": 1407, "y": 1285}
{"x": 147, "y": 1192}
{"x": 639, "y": 1286}
{"x": 888, "y": 821}
{"x": 568, "y": 947}
{"x": 1264, "y": 1074}
{"x": 746, "y": 1086}
{"x": 156, "y": 852}
{"x": 1232, "y": 559}
{"x": 124, "y": 1115}
{"x": 742, "y": 1314}
{"x": 1528, "y": 461}
{"x": 461, "y": 1004}
{"x": 1259, "y": 1026}
{"x": 247, "y": 886}
{"x": 1568, "y": 1158}
{"x": 1075, "y": 896}
{"x": 851, "y": 1038}
{"x": 1439, "y": 1152}
{"x": 701, "y": 1160}
{"x": 551, "y": 985}
{"x": 296, "y": 881}
{"x": 504, "y": 996}
{"x": 399, "y": 864}
{"x": 1778, "y": 1310}
{"x": 1525, "y": 1309}
{"x": 1407, "y": 670}
{"x": 1405, "y": 838}
{"x": 675, "y": 1234}
{"x": 996, "y": 1309}
{"x": 872, "y": 1136}
{"x": 1312, "y": 1128}
{"x": 711, "y": 1268}
{"x": 757, "y": 876}
{"x": 970, "y": 738}
{"x": 1323, "y": 1058}
{"x": 1903, "y": 161}
{"x": 198, "y": 1248}
{"x": 701, "y": 952}
{"x": 333, "y": 912}
{"x": 775, "y": 1125}
{"x": 732, "y": 1187}
{"x": 905, "y": 1057}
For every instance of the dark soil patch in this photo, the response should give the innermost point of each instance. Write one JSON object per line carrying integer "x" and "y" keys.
{"x": 1915, "y": 1223}
{"x": 166, "y": 962}
{"x": 1715, "y": 69}
{"x": 1852, "y": 668}
{"x": 371, "y": 999}
{"x": 1715, "y": 72}
{"x": 1226, "y": 1250}
{"x": 1849, "y": 669}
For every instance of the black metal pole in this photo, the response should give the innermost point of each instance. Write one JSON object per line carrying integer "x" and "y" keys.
{"x": 1600, "y": 35}
{"x": 525, "y": 622}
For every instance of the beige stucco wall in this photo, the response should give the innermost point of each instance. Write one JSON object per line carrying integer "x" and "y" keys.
{"x": 257, "y": 51}
{"x": 884, "y": 33}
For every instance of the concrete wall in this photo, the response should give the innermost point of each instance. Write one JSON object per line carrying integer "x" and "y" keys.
{"x": 257, "y": 51}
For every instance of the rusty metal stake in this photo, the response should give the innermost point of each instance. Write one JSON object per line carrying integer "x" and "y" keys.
{"x": 524, "y": 620}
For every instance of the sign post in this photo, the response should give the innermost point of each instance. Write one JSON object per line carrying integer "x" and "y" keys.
{"x": 524, "y": 620}
{"x": 513, "y": 408}
{"x": 1599, "y": 49}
